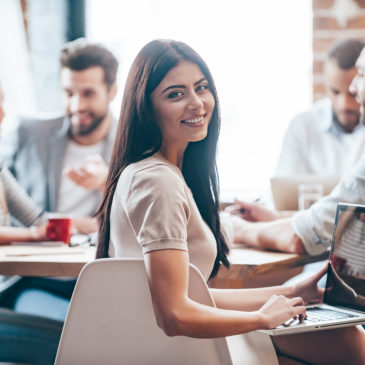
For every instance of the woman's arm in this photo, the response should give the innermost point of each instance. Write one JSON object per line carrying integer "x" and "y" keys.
{"x": 177, "y": 314}
{"x": 252, "y": 299}
{"x": 248, "y": 299}
{"x": 20, "y": 205}
{"x": 18, "y": 234}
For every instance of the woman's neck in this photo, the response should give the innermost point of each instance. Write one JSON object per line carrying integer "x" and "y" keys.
{"x": 173, "y": 155}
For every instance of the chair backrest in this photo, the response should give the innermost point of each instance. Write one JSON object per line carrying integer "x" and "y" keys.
{"x": 111, "y": 321}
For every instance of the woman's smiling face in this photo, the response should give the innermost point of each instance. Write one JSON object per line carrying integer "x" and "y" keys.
{"x": 183, "y": 106}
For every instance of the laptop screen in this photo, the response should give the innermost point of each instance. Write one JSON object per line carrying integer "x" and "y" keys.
{"x": 345, "y": 284}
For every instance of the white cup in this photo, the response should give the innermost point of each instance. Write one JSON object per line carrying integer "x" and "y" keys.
{"x": 308, "y": 194}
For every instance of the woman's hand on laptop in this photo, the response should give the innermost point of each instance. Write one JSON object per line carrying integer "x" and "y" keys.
{"x": 308, "y": 288}
{"x": 279, "y": 309}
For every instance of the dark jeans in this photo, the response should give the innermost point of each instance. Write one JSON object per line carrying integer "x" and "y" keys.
{"x": 31, "y": 332}
{"x": 57, "y": 286}
{"x": 27, "y": 338}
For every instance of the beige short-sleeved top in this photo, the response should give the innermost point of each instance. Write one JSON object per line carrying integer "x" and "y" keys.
{"x": 153, "y": 209}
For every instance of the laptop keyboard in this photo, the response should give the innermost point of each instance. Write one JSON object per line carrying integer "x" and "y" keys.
{"x": 317, "y": 314}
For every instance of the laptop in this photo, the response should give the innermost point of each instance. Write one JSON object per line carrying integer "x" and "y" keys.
{"x": 284, "y": 189}
{"x": 344, "y": 299}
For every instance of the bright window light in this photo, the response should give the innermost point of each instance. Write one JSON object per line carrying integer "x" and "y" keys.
{"x": 260, "y": 56}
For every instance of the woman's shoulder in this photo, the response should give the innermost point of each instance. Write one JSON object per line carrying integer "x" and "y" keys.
{"x": 152, "y": 173}
{"x": 154, "y": 168}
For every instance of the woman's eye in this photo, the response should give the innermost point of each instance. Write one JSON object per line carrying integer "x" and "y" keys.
{"x": 175, "y": 94}
{"x": 203, "y": 87}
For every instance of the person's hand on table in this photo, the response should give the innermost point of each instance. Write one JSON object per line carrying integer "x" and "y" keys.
{"x": 252, "y": 212}
{"x": 91, "y": 176}
{"x": 277, "y": 235}
{"x": 84, "y": 225}
{"x": 38, "y": 233}
{"x": 241, "y": 228}
{"x": 308, "y": 288}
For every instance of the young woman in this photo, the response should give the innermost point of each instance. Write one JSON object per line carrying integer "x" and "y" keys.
{"x": 23, "y": 337}
{"x": 15, "y": 202}
{"x": 13, "y": 198}
{"x": 161, "y": 202}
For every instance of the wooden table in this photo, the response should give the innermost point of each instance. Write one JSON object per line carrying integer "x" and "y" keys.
{"x": 252, "y": 267}
{"x": 32, "y": 260}
{"x": 249, "y": 267}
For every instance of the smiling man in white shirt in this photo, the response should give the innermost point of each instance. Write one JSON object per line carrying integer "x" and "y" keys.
{"x": 327, "y": 139}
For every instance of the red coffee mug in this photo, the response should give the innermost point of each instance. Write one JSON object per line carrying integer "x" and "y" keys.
{"x": 59, "y": 229}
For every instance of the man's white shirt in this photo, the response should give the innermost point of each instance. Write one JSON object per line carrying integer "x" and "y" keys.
{"x": 73, "y": 198}
{"x": 315, "y": 144}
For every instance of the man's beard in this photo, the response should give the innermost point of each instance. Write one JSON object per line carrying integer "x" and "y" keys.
{"x": 346, "y": 124}
{"x": 85, "y": 130}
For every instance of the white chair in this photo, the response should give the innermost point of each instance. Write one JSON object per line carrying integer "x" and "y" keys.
{"x": 111, "y": 321}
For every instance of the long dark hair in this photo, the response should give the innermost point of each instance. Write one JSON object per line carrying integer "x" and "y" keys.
{"x": 138, "y": 136}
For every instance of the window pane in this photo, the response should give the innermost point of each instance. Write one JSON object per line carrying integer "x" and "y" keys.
{"x": 258, "y": 51}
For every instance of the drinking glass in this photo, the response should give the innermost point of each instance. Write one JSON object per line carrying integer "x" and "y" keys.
{"x": 308, "y": 194}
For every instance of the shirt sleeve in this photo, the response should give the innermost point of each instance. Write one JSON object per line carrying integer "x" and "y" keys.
{"x": 10, "y": 146}
{"x": 157, "y": 209}
{"x": 314, "y": 226}
{"x": 19, "y": 203}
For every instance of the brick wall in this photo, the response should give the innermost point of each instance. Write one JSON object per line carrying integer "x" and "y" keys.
{"x": 333, "y": 20}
